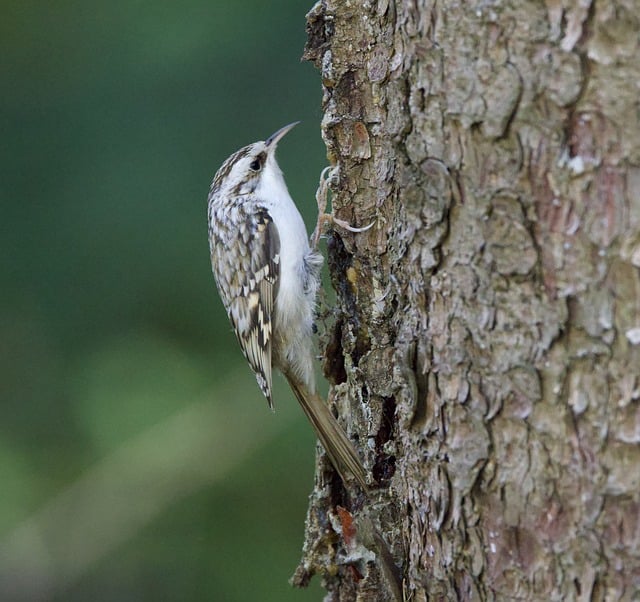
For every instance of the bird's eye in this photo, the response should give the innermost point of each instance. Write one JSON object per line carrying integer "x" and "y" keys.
{"x": 256, "y": 164}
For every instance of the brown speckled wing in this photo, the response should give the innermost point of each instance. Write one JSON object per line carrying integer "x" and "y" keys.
{"x": 245, "y": 255}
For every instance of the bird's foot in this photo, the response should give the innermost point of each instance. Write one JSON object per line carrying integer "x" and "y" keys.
{"x": 325, "y": 219}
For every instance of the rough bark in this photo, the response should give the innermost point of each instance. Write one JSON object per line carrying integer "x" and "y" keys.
{"x": 486, "y": 347}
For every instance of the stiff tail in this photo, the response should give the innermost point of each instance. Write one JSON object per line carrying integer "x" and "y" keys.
{"x": 338, "y": 446}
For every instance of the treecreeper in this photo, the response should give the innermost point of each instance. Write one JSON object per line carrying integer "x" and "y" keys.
{"x": 268, "y": 276}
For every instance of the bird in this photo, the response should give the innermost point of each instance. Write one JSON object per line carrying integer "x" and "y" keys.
{"x": 268, "y": 275}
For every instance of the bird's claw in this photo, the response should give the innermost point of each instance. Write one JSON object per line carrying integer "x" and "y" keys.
{"x": 322, "y": 196}
{"x": 348, "y": 226}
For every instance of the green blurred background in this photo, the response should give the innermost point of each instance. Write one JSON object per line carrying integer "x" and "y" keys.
{"x": 138, "y": 459}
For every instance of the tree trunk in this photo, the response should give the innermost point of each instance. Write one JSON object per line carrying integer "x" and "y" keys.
{"x": 485, "y": 354}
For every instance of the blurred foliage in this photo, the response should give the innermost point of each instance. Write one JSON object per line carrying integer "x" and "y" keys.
{"x": 115, "y": 117}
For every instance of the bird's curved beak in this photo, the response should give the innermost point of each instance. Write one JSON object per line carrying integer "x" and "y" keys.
{"x": 272, "y": 141}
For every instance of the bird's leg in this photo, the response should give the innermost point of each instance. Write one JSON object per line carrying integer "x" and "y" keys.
{"x": 322, "y": 198}
{"x": 324, "y": 218}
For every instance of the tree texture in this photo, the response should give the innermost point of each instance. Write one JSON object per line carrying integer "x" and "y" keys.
{"x": 485, "y": 353}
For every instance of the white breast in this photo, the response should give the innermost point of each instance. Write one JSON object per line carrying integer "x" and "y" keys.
{"x": 291, "y": 305}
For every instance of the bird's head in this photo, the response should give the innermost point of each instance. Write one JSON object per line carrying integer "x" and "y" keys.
{"x": 252, "y": 169}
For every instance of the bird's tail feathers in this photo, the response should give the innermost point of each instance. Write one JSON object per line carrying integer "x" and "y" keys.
{"x": 338, "y": 446}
